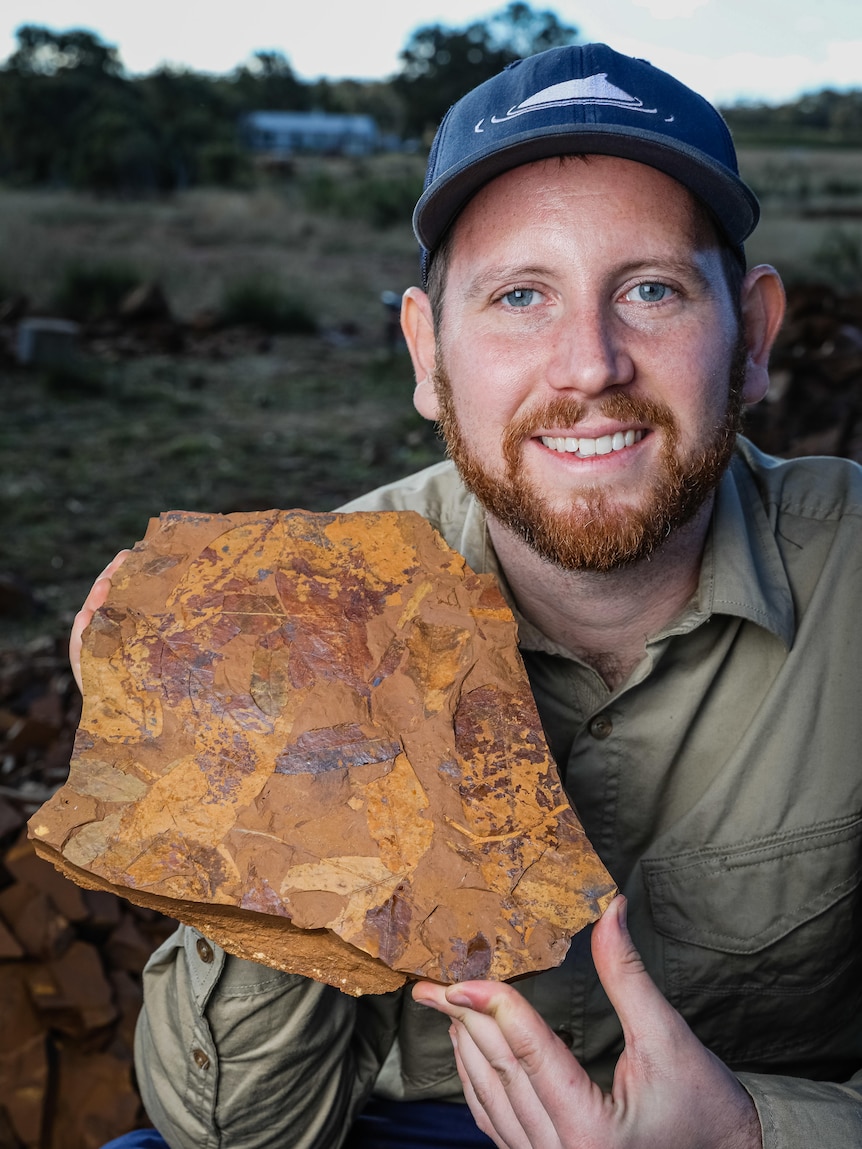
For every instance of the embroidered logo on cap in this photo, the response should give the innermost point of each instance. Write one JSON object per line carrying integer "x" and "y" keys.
{"x": 588, "y": 90}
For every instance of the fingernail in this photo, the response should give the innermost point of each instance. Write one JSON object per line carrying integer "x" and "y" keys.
{"x": 623, "y": 911}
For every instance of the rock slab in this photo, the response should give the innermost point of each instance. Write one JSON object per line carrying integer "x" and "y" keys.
{"x": 311, "y": 736}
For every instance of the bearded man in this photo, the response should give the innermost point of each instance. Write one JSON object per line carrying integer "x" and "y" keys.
{"x": 587, "y": 337}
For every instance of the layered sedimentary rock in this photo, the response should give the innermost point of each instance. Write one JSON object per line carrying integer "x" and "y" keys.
{"x": 312, "y": 737}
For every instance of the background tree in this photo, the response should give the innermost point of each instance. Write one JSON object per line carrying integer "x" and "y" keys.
{"x": 71, "y": 116}
{"x": 824, "y": 117}
{"x": 43, "y": 52}
{"x": 268, "y": 83}
{"x": 54, "y": 93}
{"x": 440, "y": 64}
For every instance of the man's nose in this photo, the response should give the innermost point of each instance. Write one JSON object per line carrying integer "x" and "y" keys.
{"x": 590, "y": 354}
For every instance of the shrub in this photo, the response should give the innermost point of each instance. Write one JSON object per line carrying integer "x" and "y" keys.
{"x": 263, "y": 303}
{"x": 75, "y": 378}
{"x": 89, "y": 292}
{"x": 839, "y": 257}
{"x": 381, "y": 198}
{"x": 223, "y": 164}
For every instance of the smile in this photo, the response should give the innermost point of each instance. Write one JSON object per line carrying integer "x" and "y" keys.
{"x": 586, "y": 448}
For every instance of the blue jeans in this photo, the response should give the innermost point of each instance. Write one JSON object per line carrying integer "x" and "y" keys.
{"x": 415, "y": 1125}
{"x": 139, "y": 1139}
{"x": 381, "y": 1125}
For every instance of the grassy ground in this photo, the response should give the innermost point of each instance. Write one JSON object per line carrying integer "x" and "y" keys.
{"x": 313, "y": 233}
{"x": 242, "y": 422}
{"x": 303, "y": 425}
{"x": 235, "y": 421}
{"x": 811, "y": 224}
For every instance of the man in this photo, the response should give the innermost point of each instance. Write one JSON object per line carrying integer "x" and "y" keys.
{"x": 688, "y": 616}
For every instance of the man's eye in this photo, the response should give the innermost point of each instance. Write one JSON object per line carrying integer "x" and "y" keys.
{"x": 648, "y": 293}
{"x": 521, "y": 297}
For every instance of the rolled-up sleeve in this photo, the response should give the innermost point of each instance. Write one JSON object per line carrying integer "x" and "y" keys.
{"x": 231, "y": 1053}
{"x": 796, "y": 1113}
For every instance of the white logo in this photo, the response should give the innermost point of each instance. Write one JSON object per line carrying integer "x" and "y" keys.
{"x": 589, "y": 90}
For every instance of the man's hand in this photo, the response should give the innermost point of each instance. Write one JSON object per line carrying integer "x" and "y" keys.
{"x": 98, "y": 594}
{"x": 527, "y": 1091}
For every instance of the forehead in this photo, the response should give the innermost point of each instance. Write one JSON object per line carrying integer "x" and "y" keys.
{"x": 582, "y": 196}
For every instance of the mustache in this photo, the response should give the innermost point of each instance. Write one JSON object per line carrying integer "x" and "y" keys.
{"x": 566, "y": 411}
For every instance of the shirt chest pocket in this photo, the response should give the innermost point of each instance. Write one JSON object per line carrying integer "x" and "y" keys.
{"x": 761, "y": 941}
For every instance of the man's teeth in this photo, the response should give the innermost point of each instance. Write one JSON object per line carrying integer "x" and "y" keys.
{"x": 604, "y": 445}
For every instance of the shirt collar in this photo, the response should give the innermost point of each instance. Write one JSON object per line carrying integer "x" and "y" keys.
{"x": 742, "y": 572}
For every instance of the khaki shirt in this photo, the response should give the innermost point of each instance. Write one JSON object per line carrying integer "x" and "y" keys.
{"x": 721, "y": 786}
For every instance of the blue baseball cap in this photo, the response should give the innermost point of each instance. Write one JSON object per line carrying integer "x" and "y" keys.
{"x": 588, "y": 99}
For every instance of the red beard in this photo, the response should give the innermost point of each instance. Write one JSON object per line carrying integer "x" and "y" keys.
{"x": 592, "y": 534}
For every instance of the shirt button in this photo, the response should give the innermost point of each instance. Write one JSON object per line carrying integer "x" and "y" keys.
{"x": 200, "y": 1059}
{"x": 566, "y": 1037}
{"x": 601, "y": 727}
{"x": 205, "y": 950}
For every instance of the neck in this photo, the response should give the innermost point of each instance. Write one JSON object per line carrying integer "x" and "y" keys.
{"x": 604, "y": 619}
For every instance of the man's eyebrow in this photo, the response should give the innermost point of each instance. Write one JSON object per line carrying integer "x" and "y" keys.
{"x": 495, "y": 277}
{"x": 492, "y": 278}
{"x": 659, "y": 265}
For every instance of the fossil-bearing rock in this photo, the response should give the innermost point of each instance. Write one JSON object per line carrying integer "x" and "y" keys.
{"x": 311, "y": 736}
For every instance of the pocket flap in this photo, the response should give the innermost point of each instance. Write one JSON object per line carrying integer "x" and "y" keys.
{"x": 740, "y": 899}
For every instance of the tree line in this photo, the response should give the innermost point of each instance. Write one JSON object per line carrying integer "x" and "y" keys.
{"x": 825, "y": 118}
{"x": 72, "y": 116}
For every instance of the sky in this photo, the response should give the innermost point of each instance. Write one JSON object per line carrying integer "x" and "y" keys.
{"x": 728, "y": 50}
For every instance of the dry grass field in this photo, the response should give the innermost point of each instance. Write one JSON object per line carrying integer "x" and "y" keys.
{"x": 195, "y": 415}
{"x": 217, "y": 418}
{"x": 811, "y": 200}
{"x": 296, "y": 231}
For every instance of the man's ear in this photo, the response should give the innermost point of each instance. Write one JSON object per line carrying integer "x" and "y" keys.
{"x": 762, "y": 313}
{"x": 417, "y": 323}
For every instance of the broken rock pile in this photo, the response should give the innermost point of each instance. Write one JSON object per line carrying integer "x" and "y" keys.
{"x": 814, "y": 404}
{"x": 70, "y": 959}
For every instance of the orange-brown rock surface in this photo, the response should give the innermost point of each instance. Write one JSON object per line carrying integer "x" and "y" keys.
{"x": 312, "y": 737}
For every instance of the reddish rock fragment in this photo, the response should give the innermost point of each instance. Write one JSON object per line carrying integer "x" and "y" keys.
{"x": 10, "y": 947}
{"x": 23, "y": 1059}
{"x": 26, "y": 866}
{"x": 72, "y": 992}
{"x": 10, "y": 818}
{"x": 95, "y": 1097}
{"x": 23, "y": 1081}
{"x": 37, "y": 925}
{"x": 127, "y": 948}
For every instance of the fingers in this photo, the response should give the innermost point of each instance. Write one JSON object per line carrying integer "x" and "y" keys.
{"x": 504, "y": 1128}
{"x": 95, "y": 599}
{"x": 518, "y": 1057}
{"x": 521, "y": 1075}
{"x": 527, "y": 1091}
{"x": 503, "y": 1053}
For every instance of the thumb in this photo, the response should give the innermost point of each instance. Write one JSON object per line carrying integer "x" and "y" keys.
{"x": 96, "y": 598}
{"x": 643, "y": 1011}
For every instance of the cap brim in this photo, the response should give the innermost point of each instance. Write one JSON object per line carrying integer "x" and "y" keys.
{"x": 732, "y": 203}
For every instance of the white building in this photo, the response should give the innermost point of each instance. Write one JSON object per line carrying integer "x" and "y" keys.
{"x": 282, "y": 134}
